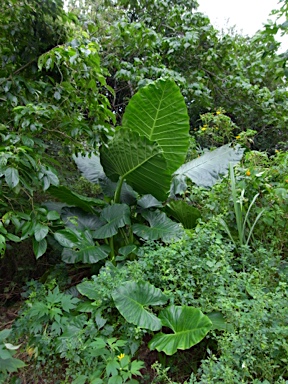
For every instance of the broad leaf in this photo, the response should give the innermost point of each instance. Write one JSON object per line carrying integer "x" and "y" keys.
{"x": 77, "y": 218}
{"x": 114, "y": 216}
{"x": 149, "y": 201}
{"x": 89, "y": 289}
{"x": 158, "y": 112}
{"x": 139, "y": 161}
{"x": 161, "y": 227}
{"x": 39, "y": 247}
{"x": 131, "y": 299}
{"x": 11, "y": 177}
{"x": 72, "y": 198}
{"x": 207, "y": 169}
{"x": 88, "y": 254}
{"x": 92, "y": 170}
{"x": 189, "y": 325}
{"x": 219, "y": 323}
{"x": 40, "y": 231}
{"x": 183, "y": 212}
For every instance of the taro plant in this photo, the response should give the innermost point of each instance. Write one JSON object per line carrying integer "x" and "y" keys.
{"x": 134, "y": 301}
{"x": 142, "y": 158}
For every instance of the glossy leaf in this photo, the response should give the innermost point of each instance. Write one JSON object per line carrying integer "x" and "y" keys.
{"x": 139, "y": 161}
{"x": 132, "y": 299}
{"x": 11, "y": 177}
{"x": 189, "y": 326}
{"x": 39, "y": 247}
{"x": 161, "y": 227}
{"x": 158, "y": 112}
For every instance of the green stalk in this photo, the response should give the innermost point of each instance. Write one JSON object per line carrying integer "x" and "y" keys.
{"x": 117, "y": 193}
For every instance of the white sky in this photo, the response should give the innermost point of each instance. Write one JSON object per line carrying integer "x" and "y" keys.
{"x": 247, "y": 15}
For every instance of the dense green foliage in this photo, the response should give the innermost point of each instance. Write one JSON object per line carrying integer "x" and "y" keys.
{"x": 167, "y": 261}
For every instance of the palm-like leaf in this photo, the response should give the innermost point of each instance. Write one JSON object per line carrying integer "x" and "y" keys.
{"x": 131, "y": 299}
{"x": 206, "y": 170}
{"x": 189, "y": 325}
{"x": 158, "y": 112}
{"x": 138, "y": 161}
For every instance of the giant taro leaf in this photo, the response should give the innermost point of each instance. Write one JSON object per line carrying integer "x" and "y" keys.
{"x": 72, "y": 198}
{"x": 114, "y": 216}
{"x": 158, "y": 112}
{"x": 92, "y": 170}
{"x": 139, "y": 161}
{"x": 161, "y": 227}
{"x": 131, "y": 298}
{"x": 206, "y": 170}
{"x": 189, "y": 325}
{"x": 74, "y": 217}
{"x": 80, "y": 247}
{"x": 183, "y": 212}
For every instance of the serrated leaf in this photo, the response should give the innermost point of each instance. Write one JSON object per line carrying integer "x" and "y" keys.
{"x": 189, "y": 325}
{"x": 12, "y": 364}
{"x": 161, "y": 227}
{"x": 132, "y": 299}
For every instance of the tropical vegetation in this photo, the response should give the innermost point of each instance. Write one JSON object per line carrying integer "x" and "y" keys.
{"x": 144, "y": 195}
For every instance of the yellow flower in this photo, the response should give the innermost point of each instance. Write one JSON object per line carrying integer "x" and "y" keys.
{"x": 218, "y": 113}
{"x": 203, "y": 129}
{"x": 237, "y": 137}
{"x": 248, "y": 173}
{"x": 121, "y": 356}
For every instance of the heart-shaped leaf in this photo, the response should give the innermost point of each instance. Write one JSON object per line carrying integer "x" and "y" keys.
{"x": 161, "y": 227}
{"x": 183, "y": 212}
{"x": 158, "y": 112}
{"x": 189, "y": 325}
{"x": 132, "y": 299}
{"x": 114, "y": 216}
{"x": 139, "y": 161}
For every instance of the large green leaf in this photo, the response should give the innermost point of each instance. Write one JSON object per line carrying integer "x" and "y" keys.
{"x": 92, "y": 170}
{"x": 72, "y": 198}
{"x": 158, "y": 112}
{"x": 131, "y": 298}
{"x": 139, "y": 161}
{"x": 189, "y": 325}
{"x": 184, "y": 213}
{"x": 207, "y": 169}
{"x": 80, "y": 247}
{"x": 161, "y": 227}
{"x": 74, "y": 217}
{"x": 114, "y": 216}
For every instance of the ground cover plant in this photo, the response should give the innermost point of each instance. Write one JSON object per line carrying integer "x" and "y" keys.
{"x": 144, "y": 190}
